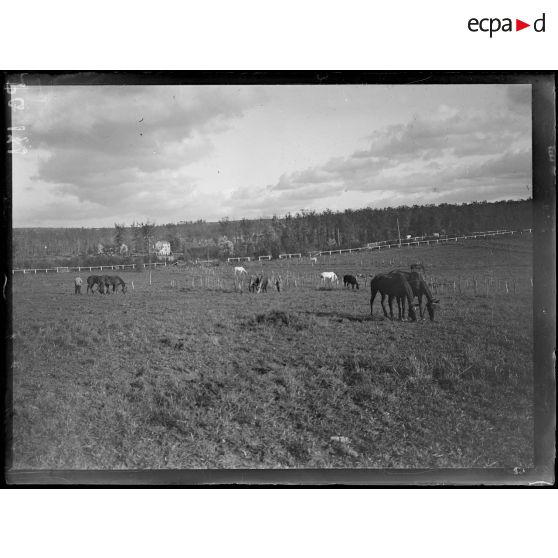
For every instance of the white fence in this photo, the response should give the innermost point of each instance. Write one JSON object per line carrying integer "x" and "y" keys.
{"x": 62, "y": 269}
{"x": 420, "y": 241}
{"x": 380, "y": 245}
{"x": 289, "y": 256}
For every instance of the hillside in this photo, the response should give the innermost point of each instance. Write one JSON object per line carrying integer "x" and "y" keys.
{"x": 302, "y": 232}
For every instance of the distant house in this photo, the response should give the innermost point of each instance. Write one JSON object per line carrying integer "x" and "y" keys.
{"x": 123, "y": 250}
{"x": 100, "y": 249}
{"x": 436, "y": 235}
{"x": 163, "y": 248}
{"x": 409, "y": 236}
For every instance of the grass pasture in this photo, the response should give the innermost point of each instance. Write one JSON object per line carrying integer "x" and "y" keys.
{"x": 186, "y": 372}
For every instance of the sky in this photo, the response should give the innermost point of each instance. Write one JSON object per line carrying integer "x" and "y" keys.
{"x": 96, "y": 155}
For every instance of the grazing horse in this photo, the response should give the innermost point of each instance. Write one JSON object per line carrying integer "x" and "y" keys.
{"x": 350, "y": 280}
{"x": 254, "y": 283}
{"x": 239, "y": 271}
{"x": 106, "y": 280}
{"x": 77, "y": 285}
{"x": 330, "y": 277}
{"x": 313, "y": 261}
{"x": 392, "y": 285}
{"x": 93, "y": 280}
{"x": 420, "y": 289}
{"x": 115, "y": 281}
{"x": 264, "y": 282}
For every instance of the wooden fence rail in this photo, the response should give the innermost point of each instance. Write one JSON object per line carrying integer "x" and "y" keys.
{"x": 420, "y": 241}
{"x": 380, "y": 245}
{"x": 63, "y": 269}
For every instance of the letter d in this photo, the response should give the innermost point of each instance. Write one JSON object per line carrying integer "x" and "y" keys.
{"x": 535, "y": 25}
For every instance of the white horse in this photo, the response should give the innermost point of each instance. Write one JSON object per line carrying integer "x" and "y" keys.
{"x": 239, "y": 271}
{"x": 313, "y": 261}
{"x": 329, "y": 276}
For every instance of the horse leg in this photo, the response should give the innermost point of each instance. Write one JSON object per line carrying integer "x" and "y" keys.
{"x": 390, "y": 302}
{"x": 384, "y": 305}
{"x": 372, "y": 297}
{"x": 412, "y": 314}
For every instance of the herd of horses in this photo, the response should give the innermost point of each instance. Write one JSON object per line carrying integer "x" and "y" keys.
{"x": 403, "y": 286}
{"x": 104, "y": 283}
{"x": 256, "y": 283}
{"x": 259, "y": 283}
{"x": 400, "y": 286}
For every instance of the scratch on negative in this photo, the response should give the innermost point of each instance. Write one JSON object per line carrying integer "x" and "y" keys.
{"x": 419, "y": 80}
{"x": 4, "y": 287}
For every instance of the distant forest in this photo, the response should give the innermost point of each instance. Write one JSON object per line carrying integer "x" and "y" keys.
{"x": 293, "y": 233}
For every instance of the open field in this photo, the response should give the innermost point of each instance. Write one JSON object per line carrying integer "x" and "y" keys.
{"x": 186, "y": 372}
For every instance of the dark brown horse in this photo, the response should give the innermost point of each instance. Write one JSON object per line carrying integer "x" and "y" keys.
{"x": 392, "y": 285}
{"x": 350, "y": 280}
{"x": 264, "y": 282}
{"x": 254, "y": 283}
{"x": 106, "y": 280}
{"x": 420, "y": 289}
{"x": 115, "y": 282}
{"x": 93, "y": 280}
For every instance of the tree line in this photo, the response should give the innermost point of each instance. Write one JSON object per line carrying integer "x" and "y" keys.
{"x": 303, "y": 231}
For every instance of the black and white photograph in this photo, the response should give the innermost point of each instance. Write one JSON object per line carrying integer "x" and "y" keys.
{"x": 224, "y": 272}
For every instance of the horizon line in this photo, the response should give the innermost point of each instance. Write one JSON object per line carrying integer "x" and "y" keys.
{"x": 267, "y": 217}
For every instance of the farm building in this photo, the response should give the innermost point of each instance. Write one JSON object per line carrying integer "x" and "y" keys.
{"x": 163, "y": 248}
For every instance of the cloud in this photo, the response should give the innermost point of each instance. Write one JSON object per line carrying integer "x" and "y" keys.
{"x": 127, "y": 147}
{"x": 486, "y": 153}
{"x": 172, "y": 153}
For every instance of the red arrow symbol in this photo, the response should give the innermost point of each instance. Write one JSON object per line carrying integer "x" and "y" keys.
{"x": 519, "y": 25}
